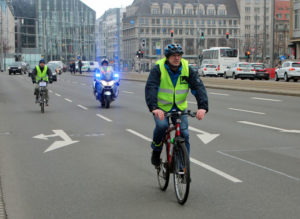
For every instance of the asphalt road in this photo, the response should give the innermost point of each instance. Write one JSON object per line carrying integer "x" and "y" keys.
{"x": 245, "y": 155}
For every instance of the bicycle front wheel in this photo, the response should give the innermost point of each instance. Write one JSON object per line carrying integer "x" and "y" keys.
{"x": 163, "y": 171}
{"x": 181, "y": 165}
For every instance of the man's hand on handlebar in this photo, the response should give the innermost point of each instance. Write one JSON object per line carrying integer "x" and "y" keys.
{"x": 200, "y": 114}
{"x": 159, "y": 113}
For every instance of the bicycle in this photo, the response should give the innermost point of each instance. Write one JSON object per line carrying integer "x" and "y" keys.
{"x": 175, "y": 159}
{"x": 42, "y": 95}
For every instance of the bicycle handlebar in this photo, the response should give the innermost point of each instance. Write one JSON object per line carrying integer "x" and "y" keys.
{"x": 180, "y": 113}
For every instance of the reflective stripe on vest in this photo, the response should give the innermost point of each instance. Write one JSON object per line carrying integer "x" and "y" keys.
{"x": 41, "y": 75}
{"x": 168, "y": 93}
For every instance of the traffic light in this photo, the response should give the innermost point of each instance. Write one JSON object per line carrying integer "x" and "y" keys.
{"x": 227, "y": 35}
{"x": 202, "y": 35}
{"x": 143, "y": 43}
{"x": 172, "y": 33}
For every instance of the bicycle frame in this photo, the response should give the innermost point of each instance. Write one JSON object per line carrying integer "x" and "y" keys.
{"x": 170, "y": 144}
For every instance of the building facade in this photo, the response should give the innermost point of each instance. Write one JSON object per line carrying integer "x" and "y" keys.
{"x": 58, "y": 30}
{"x": 295, "y": 28}
{"x": 109, "y": 37}
{"x": 147, "y": 27}
{"x": 7, "y": 31}
{"x": 281, "y": 29}
{"x": 257, "y": 28}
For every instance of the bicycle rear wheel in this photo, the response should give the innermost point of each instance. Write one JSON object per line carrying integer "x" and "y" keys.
{"x": 163, "y": 172}
{"x": 181, "y": 165}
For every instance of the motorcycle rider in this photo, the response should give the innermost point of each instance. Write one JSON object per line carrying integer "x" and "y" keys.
{"x": 41, "y": 72}
{"x": 166, "y": 90}
{"x": 104, "y": 62}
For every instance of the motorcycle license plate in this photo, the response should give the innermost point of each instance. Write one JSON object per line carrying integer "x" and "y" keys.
{"x": 107, "y": 93}
{"x": 43, "y": 84}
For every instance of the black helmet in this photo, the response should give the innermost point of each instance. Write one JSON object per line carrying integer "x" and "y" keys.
{"x": 172, "y": 49}
{"x": 104, "y": 60}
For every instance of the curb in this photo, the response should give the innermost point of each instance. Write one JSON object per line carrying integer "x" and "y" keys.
{"x": 224, "y": 87}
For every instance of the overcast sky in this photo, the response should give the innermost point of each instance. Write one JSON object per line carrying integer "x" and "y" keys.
{"x": 100, "y": 6}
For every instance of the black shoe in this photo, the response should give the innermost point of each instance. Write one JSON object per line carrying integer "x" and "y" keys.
{"x": 155, "y": 158}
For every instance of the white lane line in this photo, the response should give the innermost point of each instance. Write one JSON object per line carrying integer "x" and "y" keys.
{"x": 127, "y": 92}
{"x": 68, "y": 100}
{"x": 139, "y": 135}
{"x": 82, "y": 107}
{"x": 50, "y": 91}
{"x": 247, "y": 111}
{"x": 258, "y": 165}
{"x": 57, "y": 94}
{"x": 212, "y": 169}
{"x": 216, "y": 171}
{"x": 266, "y": 99}
{"x": 261, "y": 125}
{"x": 105, "y": 118}
{"x": 191, "y": 102}
{"x": 219, "y": 94}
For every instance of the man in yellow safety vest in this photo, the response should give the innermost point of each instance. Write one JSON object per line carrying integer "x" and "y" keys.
{"x": 167, "y": 89}
{"x": 41, "y": 73}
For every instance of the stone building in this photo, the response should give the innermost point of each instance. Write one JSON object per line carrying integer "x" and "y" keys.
{"x": 196, "y": 25}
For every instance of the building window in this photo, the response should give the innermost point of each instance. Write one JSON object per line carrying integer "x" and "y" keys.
{"x": 247, "y": 9}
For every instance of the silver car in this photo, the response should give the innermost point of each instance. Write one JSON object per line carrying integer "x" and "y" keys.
{"x": 240, "y": 70}
{"x": 289, "y": 70}
{"x": 208, "y": 70}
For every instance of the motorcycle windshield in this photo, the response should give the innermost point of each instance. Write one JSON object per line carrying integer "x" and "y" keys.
{"x": 107, "y": 73}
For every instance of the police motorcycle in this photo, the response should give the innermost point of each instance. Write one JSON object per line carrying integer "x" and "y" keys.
{"x": 106, "y": 85}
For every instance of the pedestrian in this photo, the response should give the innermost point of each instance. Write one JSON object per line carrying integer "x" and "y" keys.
{"x": 80, "y": 66}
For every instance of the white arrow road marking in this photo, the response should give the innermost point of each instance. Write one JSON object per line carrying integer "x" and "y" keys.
{"x": 205, "y": 137}
{"x": 247, "y": 111}
{"x": 197, "y": 162}
{"x": 57, "y": 144}
{"x": 266, "y": 99}
{"x": 269, "y": 127}
{"x": 105, "y": 118}
{"x": 82, "y": 107}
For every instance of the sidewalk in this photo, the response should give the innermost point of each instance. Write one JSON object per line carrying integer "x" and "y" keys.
{"x": 271, "y": 87}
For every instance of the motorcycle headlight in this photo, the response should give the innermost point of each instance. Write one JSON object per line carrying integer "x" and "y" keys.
{"x": 104, "y": 83}
{"x": 98, "y": 75}
{"x": 111, "y": 83}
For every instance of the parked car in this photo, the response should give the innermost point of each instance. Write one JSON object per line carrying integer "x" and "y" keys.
{"x": 54, "y": 69}
{"x": 289, "y": 70}
{"x": 18, "y": 67}
{"x": 208, "y": 70}
{"x": 240, "y": 70}
{"x": 260, "y": 71}
{"x": 61, "y": 65}
{"x": 93, "y": 66}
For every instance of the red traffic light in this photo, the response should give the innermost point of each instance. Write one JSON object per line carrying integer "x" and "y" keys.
{"x": 227, "y": 35}
{"x": 172, "y": 33}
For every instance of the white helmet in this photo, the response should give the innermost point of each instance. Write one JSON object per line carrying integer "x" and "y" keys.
{"x": 104, "y": 60}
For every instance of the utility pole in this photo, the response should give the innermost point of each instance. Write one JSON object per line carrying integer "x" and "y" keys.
{"x": 273, "y": 3}
{"x": 256, "y": 38}
{"x": 1, "y": 38}
{"x": 265, "y": 31}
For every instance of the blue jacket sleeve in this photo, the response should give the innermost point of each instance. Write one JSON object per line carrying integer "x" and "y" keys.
{"x": 198, "y": 89}
{"x": 152, "y": 87}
